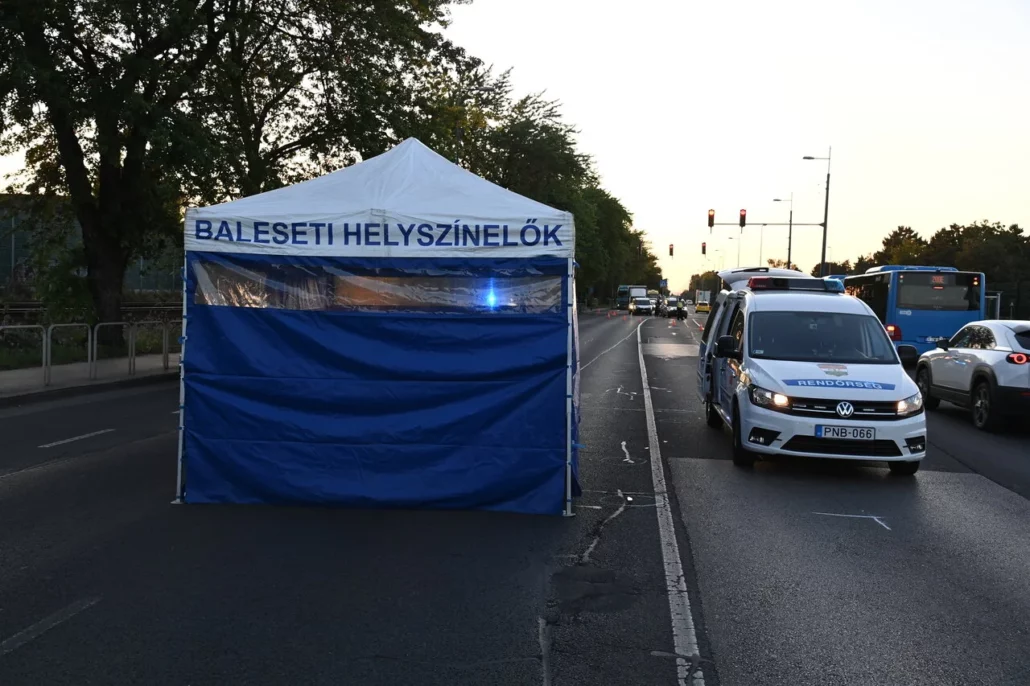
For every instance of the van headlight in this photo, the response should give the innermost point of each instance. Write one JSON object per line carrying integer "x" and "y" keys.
{"x": 769, "y": 399}
{"x": 911, "y": 405}
{"x": 632, "y": 306}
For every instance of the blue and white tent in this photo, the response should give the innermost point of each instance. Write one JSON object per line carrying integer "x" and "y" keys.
{"x": 399, "y": 333}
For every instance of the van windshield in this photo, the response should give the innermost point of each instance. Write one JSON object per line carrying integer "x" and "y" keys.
{"x": 819, "y": 337}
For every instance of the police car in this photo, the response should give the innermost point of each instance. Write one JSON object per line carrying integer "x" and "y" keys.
{"x": 796, "y": 367}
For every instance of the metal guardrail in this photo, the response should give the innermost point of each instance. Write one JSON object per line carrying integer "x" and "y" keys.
{"x": 96, "y": 346}
{"x": 48, "y": 348}
{"x": 42, "y": 339}
{"x": 93, "y": 343}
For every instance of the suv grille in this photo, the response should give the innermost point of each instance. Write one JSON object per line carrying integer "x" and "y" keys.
{"x": 830, "y": 446}
{"x": 879, "y": 410}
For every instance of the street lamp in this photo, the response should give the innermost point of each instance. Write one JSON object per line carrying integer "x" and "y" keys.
{"x": 790, "y": 225}
{"x": 826, "y": 207}
{"x": 730, "y": 238}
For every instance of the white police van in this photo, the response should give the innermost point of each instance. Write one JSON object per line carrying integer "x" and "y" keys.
{"x": 796, "y": 367}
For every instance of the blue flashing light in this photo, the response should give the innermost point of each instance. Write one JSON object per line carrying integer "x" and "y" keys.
{"x": 491, "y": 298}
{"x": 834, "y": 285}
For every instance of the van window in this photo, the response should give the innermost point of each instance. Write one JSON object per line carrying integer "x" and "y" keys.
{"x": 706, "y": 334}
{"x": 737, "y": 328}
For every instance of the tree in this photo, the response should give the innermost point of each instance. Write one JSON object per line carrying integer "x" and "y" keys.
{"x": 299, "y": 89}
{"x": 777, "y": 264}
{"x": 901, "y": 246}
{"x": 707, "y": 281}
{"x": 135, "y": 109}
{"x": 832, "y": 268}
{"x": 94, "y": 91}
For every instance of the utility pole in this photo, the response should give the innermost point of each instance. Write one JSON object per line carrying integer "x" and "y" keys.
{"x": 823, "y": 267}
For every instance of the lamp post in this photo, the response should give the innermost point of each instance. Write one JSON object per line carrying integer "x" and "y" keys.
{"x": 826, "y": 207}
{"x": 790, "y": 225}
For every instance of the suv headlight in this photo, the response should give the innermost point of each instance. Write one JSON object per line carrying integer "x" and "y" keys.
{"x": 768, "y": 399}
{"x": 911, "y": 405}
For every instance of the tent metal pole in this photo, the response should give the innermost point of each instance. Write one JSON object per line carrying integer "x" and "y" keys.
{"x": 182, "y": 387}
{"x": 570, "y": 289}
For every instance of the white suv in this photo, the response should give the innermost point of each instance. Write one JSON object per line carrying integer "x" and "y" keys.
{"x": 795, "y": 367}
{"x": 985, "y": 367}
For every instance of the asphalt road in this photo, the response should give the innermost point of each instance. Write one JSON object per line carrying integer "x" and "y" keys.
{"x": 103, "y": 581}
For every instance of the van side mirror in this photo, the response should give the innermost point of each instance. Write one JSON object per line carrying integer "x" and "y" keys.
{"x": 726, "y": 347}
{"x": 943, "y": 344}
{"x": 908, "y": 354}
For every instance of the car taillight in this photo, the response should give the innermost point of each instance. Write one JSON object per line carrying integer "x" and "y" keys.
{"x": 1017, "y": 358}
{"x": 894, "y": 331}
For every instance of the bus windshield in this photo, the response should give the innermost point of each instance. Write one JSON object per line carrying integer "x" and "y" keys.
{"x": 819, "y": 337}
{"x": 951, "y": 291}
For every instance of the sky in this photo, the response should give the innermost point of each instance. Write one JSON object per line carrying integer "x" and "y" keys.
{"x": 686, "y": 106}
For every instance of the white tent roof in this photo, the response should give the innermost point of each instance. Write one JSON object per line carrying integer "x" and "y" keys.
{"x": 403, "y": 203}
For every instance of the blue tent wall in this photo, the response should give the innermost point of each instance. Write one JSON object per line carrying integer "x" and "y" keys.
{"x": 460, "y": 410}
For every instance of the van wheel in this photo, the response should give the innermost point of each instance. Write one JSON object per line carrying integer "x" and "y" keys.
{"x": 742, "y": 457}
{"x": 712, "y": 417}
{"x": 985, "y": 417}
{"x": 904, "y": 468}
{"x": 923, "y": 382}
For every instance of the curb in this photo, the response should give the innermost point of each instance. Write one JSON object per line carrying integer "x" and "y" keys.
{"x": 45, "y": 395}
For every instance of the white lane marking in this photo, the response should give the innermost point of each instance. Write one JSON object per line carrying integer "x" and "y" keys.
{"x": 611, "y": 348}
{"x": 176, "y": 411}
{"x": 44, "y": 625}
{"x": 684, "y": 638}
{"x": 76, "y": 438}
{"x": 872, "y": 517}
{"x": 625, "y": 451}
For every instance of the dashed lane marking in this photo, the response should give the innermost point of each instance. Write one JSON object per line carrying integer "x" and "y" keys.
{"x": 76, "y": 438}
{"x": 44, "y": 625}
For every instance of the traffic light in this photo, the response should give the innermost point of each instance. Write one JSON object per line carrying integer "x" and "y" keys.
{"x": 670, "y": 249}
{"x": 743, "y": 218}
{"x": 711, "y": 218}
{"x": 704, "y": 248}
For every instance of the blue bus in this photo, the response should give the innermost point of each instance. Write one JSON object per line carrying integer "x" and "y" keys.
{"x": 921, "y": 305}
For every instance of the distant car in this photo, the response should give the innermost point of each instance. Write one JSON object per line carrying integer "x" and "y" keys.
{"x": 984, "y": 367}
{"x": 670, "y": 306}
{"x": 688, "y": 301}
{"x": 641, "y": 306}
{"x": 703, "y": 307}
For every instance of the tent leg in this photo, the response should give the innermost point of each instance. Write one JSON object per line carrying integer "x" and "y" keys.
{"x": 182, "y": 391}
{"x": 570, "y": 287}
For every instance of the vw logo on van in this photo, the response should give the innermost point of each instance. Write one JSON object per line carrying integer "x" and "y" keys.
{"x": 845, "y": 409}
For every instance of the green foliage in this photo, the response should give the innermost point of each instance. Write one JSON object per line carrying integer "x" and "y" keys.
{"x": 135, "y": 110}
{"x": 1001, "y": 253}
{"x": 832, "y": 268}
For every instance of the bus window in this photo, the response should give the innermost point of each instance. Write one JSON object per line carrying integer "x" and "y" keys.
{"x": 873, "y": 290}
{"x": 950, "y": 291}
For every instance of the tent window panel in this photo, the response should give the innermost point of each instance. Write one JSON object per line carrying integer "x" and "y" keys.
{"x": 516, "y": 295}
{"x": 222, "y": 282}
{"x": 272, "y": 287}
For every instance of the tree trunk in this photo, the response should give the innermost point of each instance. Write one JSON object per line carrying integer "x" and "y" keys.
{"x": 105, "y": 277}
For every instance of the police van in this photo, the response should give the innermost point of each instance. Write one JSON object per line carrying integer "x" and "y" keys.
{"x": 795, "y": 367}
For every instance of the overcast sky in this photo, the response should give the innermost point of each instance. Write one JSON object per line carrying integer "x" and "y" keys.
{"x": 687, "y": 106}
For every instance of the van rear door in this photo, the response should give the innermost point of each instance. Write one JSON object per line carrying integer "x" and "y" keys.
{"x": 707, "y": 344}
